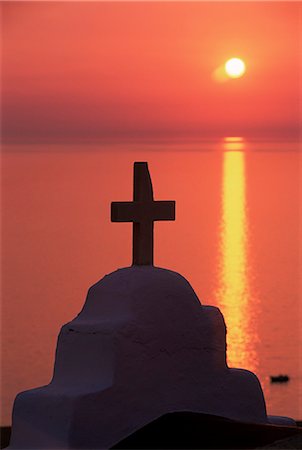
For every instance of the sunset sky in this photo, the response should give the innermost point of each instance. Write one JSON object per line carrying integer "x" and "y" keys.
{"x": 99, "y": 70}
{"x": 120, "y": 73}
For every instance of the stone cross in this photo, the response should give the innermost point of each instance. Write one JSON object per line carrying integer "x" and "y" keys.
{"x": 143, "y": 211}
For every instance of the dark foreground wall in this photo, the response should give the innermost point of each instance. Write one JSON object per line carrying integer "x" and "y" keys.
{"x": 5, "y": 436}
{"x": 189, "y": 430}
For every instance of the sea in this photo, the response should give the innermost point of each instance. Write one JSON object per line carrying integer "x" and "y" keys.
{"x": 236, "y": 238}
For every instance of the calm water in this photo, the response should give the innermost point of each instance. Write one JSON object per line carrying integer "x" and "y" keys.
{"x": 236, "y": 239}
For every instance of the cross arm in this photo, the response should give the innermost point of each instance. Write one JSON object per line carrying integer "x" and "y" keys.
{"x": 122, "y": 211}
{"x": 142, "y": 211}
{"x": 164, "y": 210}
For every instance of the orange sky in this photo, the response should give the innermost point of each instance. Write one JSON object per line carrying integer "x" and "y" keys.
{"x": 127, "y": 70}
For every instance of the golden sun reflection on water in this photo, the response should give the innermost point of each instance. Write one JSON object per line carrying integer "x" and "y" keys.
{"x": 234, "y": 293}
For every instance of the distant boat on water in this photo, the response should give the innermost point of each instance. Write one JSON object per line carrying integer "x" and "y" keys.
{"x": 279, "y": 378}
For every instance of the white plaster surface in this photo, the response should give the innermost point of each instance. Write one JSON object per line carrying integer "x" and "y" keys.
{"x": 282, "y": 420}
{"x": 142, "y": 346}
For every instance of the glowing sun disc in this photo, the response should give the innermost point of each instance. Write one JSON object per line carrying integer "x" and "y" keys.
{"x": 235, "y": 67}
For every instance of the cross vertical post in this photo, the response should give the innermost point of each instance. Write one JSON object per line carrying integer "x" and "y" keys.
{"x": 143, "y": 211}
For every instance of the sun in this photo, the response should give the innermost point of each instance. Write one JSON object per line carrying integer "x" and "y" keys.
{"x": 235, "y": 67}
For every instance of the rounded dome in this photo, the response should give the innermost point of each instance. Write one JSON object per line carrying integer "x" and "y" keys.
{"x": 139, "y": 291}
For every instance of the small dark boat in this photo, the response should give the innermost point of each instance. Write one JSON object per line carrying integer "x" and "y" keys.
{"x": 279, "y": 378}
